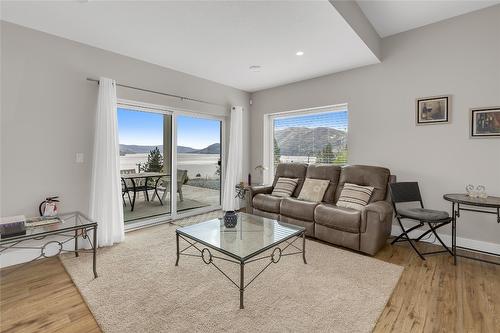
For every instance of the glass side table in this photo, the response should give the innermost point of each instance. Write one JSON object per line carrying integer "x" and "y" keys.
{"x": 70, "y": 227}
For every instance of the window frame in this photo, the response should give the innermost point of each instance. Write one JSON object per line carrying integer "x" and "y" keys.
{"x": 174, "y": 112}
{"x": 268, "y": 149}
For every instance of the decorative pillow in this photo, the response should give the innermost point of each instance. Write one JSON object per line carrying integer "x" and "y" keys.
{"x": 285, "y": 186}
{"x": 355, "y": 196}
{"x": 313, "y": 189}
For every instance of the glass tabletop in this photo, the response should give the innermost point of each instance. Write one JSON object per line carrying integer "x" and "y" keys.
{"x": 251, "y": 236}
{"x": 490, "y": 201}
{"x": 66, "y": 221}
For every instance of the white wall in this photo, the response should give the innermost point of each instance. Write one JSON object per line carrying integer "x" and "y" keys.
{"x": 48, "y": 112}
{"x": 461, "y": 57}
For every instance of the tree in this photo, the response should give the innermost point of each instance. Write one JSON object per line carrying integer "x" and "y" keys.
{"x": 341, "y": 157}
{"x": 155, "y": 161}
{"x": 326, "y": 155}
{"x": 277, "y": 152}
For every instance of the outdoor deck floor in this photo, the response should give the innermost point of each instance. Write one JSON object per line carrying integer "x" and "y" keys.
{"x": 194, "y": 197}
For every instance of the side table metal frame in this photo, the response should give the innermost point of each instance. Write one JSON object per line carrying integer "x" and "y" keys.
{"x": 455, "y": 215}
{"x": 69, "y": 234}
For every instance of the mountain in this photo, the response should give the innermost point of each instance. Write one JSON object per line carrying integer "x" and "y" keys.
{"x": 305, "y": 141}
{"x": 185, "y": 150}
{"x": 212, "y": 149}
{"x": 136, "y": 149}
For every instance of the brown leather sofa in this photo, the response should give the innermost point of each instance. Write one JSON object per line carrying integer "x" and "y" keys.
{"x": 366, "y": 230}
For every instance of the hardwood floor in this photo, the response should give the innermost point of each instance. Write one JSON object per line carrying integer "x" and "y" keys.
{"x": 431, "y": 296}
{"x": 40, "y": 297}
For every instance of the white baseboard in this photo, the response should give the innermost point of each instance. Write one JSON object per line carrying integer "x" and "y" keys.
{"x": 464, "y": 242}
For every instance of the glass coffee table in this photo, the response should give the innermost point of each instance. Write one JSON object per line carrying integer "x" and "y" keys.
{"x": 243, "y": 244}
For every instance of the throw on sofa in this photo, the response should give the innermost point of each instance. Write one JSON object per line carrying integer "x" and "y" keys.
{"x": 365, "y": 230}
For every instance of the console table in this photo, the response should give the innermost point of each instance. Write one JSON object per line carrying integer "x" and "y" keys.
{"x": 462, "y": 202}
{"x": 72, "y": 227}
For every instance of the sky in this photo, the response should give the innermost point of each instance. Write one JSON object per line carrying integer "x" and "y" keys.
{"x": 337, "y": 120}
{"x": 146, "y": 129}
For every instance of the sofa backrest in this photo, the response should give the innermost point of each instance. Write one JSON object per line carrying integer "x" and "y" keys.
{"x": 325, "y": 171}
{"x": 291, "y": 170}
{"x": 365, "y": 175}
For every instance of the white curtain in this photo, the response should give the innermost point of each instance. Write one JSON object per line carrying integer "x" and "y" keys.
{"x": 234, "y": 160}
{"x": 105, "y": 194}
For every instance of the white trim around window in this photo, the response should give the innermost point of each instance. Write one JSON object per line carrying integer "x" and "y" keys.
{"x": 268, "y": 135}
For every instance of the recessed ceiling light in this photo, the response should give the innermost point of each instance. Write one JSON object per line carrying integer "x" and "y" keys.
{"x": 299, "y": 53}
{"x": 255, "y": 68}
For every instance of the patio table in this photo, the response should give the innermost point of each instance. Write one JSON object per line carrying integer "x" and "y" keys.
{"x": 146, "y": 176}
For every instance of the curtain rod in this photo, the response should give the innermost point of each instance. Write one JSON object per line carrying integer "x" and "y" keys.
{"x": 182, "y": 98}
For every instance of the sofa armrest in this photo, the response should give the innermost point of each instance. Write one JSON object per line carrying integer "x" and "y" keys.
{"x": 254, "y": 190}
{"x": 376, "y": 225}
{"x": 381, "y": 208}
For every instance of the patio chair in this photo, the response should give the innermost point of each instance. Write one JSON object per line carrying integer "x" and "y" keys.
{"x": 126, "y": 191}
{"x": 165, "y": 185}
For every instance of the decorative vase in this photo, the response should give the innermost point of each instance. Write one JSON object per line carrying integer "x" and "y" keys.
{"x": 230, "y": 219}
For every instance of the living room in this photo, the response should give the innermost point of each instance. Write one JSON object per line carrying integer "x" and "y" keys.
{"x": 291, "y": 133}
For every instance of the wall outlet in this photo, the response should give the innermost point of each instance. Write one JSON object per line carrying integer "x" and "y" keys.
{"x": 79, "y": 157}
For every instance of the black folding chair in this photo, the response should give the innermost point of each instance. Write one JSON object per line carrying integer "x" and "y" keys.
{"x": 406, "y": 192}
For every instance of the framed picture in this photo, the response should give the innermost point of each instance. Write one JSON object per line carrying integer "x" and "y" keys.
{"x": 433, "y": 110}
{"x": 485, "y": 122}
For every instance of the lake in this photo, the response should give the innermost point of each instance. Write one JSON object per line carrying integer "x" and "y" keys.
{"x": 203, "y": 164}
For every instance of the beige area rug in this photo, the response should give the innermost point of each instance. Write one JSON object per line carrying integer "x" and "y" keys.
{"x": 139, "y": 289}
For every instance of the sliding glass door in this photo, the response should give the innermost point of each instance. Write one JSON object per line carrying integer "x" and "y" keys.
{"x": 158, "y": 145}
{"x": 145, "y": 136}
{"x": 199, "y": 162}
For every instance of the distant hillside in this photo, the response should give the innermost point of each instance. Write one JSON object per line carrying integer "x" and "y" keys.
{"x": 304, "y": 141}
{"x": 136, "y": 149}
{"x": 212, "y": 149}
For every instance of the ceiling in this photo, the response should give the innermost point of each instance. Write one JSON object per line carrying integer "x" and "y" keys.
{"x": 392, "y": 17}
{"x": 214, "y": 40}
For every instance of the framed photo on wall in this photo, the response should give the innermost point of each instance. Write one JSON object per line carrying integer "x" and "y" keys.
{"x": 433, "y": 110}
{"x": 485, "y": 122}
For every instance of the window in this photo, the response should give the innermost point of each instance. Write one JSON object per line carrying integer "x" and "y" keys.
{"x": 311, "y": 136}
{"x": 158, "y": 144}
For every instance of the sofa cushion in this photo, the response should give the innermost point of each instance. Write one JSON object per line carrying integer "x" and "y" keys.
{"x": 284, "y": 187}
{"x": 365, "y": 175}
{"x": 298, "y": 209}
{"x": 354, "y": 196}
{"x": 291, "y": 170}
{"x": 306, "y": 224}
{"x": 313, "y": 189}
{"x": 345, "y": 219}
{"x": 267, "y": 203}
{"x": 329, "y": 172}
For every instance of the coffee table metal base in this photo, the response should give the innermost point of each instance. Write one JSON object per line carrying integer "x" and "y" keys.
{"x": 208, "y": 258}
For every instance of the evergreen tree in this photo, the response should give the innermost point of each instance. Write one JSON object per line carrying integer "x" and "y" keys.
{"x": 155, "y": 161}
{"x": 326, "y": 155}
{"x": 277, "y": 152}
{"x": 341, "y": 157}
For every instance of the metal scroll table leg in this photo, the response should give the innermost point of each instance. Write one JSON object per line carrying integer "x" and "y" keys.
{"x": 304, "y": 247}
{"x": 177, "y": 243}
{"x": 146, "y": 187}
{"x": 76, "y": 243}
{"x": 133, "y": 196}
{"x": 156, "y": 191}
{"x": 95, "y": 252}
{"x": 242, "y": 283}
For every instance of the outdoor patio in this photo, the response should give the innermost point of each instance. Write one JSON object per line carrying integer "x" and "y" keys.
{"x": 194, "y": 197}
